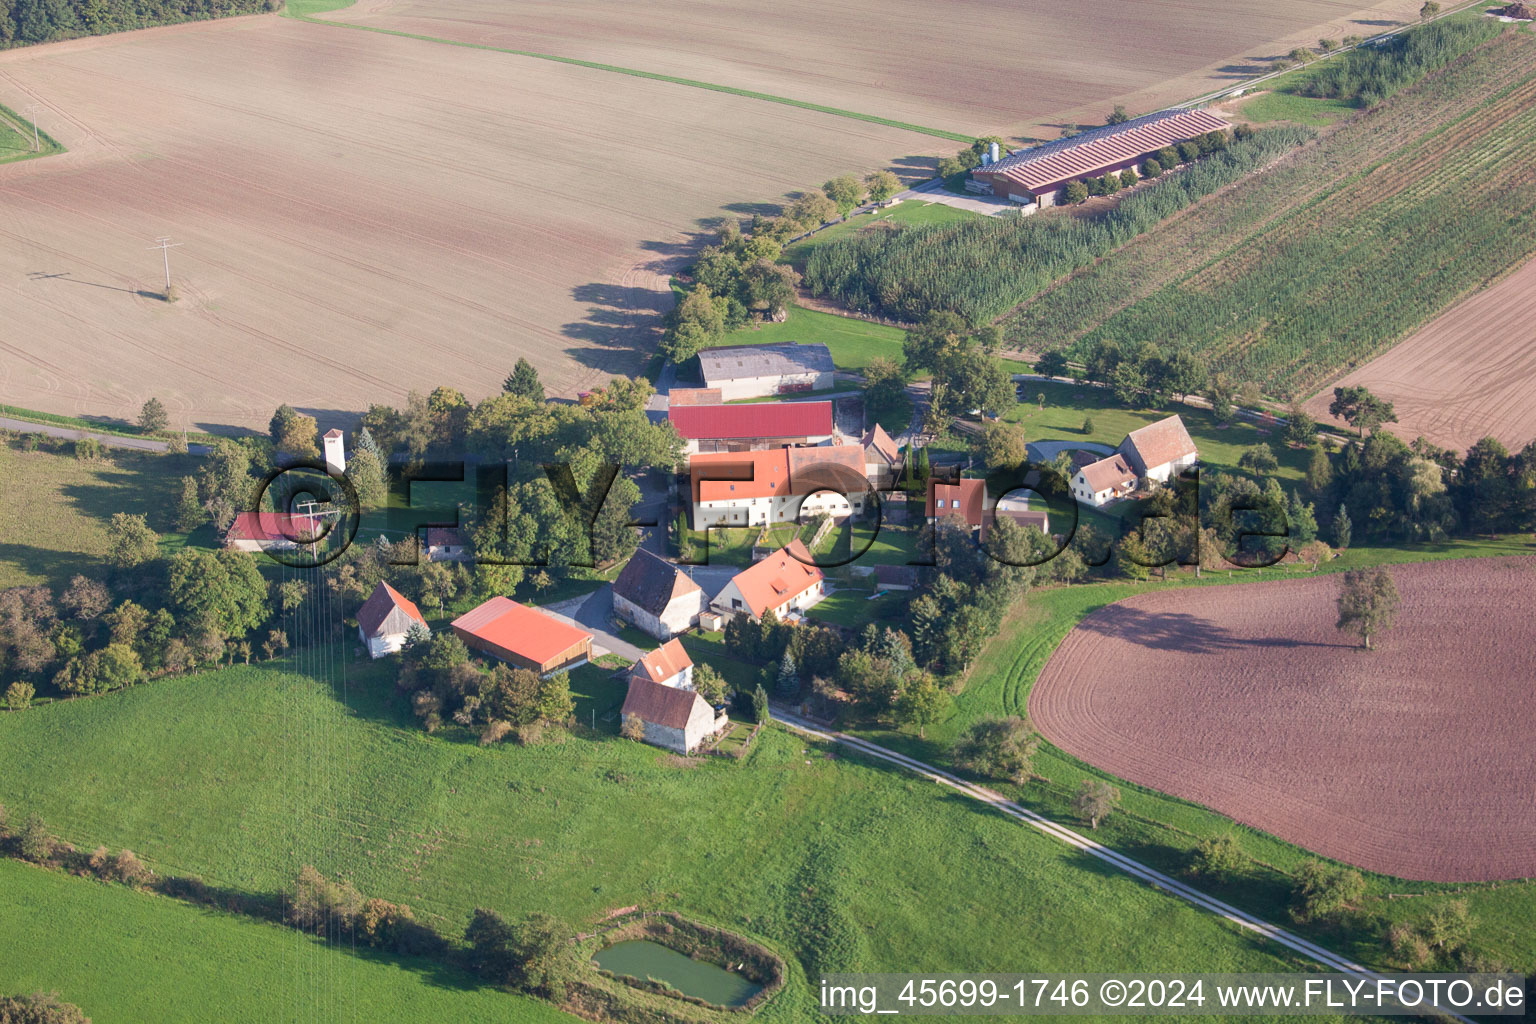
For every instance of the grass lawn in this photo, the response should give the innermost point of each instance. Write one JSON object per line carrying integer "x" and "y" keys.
{"x": 1282, "y": 104}
{"x": 1160, "y": 829}
{"x": 125, "y": 957}
{"x": 907, "y": 212}
{"x": 1067, "y": 405}
{"x": 54, "y": 509}
{"x": 852, "y": 607}
{"x": 244, "y": 775}
{"x": 852, "y": 342}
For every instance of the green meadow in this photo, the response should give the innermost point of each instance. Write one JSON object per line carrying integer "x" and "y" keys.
{"x": 243, "y": 775}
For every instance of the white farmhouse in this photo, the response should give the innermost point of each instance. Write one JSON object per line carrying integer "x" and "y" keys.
{"x": 657, "y": 596}
{"x": 676, "y": 719}
{"x": 784, "y": 583}
{"x": 1099, "y": 483}
{"x": 384, "y": 620}
{"x": 1161, "y": 450}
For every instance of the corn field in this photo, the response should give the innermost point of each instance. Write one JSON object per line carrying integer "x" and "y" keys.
{"x": 984, "y": 267}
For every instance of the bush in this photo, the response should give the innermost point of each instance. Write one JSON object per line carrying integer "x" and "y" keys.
{"x": 18, "y": 696}
{"x": 1323, "y": 891}
{"x": 323, "y": 906}
{"x": 40, "y": 1009}
{"x": 88, "y": 449}
{"x": 1150, "y": 168}
{"x": 1217, "y": 857}
{"x": 128, "y": 869}
{"x": 1001, "y": 748}
{"x": 34, "y": 842}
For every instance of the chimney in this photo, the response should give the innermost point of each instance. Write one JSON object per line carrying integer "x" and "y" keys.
{"x": 992, "y": 152}
{"x": 335, "y": 453}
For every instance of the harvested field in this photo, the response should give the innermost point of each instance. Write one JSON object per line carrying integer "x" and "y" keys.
{"x": 1467, "y": 375}
{"x": 1414, "y": 759}
{"x": 362, "y": 215}
{"x": 974, "y": 66}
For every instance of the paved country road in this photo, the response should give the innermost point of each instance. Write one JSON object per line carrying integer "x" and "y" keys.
{"x": 143, "y": 444}
{"x": 1119, "y": 861}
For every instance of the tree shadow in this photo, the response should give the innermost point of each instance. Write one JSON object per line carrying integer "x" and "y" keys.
{"x": 1180, "y": 631}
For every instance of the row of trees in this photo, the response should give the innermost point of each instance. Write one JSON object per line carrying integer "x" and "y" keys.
{"x": 45, "y": 21}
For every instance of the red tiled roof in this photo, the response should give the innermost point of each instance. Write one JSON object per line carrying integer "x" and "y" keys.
{"x": 387, "y": 611}
{"x": 781, "y": 576}
{"x": 524, "y": 631}
{"x": 965, "y": 498}
{"x": 752, "y": 421}
{"x": 663, "y": 663}
{"x": 272, "y": 526}
{"x": 1038, "y": 518}
{"x": 777, "y": 472}
{"x": 1109, "y": 473}
{"x": 768, "y": 472}
{"x": 1100, "y": 148}
{"x": 660, "y": 705}
{"x": 1160, "y": 443}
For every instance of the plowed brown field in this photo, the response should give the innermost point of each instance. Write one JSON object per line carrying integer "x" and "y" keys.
{"x": 1469, "y": 374}
{"x": 1414, "y": 759}
{"x": 967, "y": 65}
{"x": 362, "y": 215}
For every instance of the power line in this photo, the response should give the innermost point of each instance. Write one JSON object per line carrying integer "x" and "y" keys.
{"x": 165, "y": 245}
{"x": 31, "y": 111}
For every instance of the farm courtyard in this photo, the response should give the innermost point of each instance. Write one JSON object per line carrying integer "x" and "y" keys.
{"x": 1413, "y": 759}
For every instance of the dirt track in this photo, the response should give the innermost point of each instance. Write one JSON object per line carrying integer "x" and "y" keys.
{"x": 1414, "y": 760}
{"x": 968, "y": 66}
{"x": 361, "y": 214}
{"x": 1468, "y": 374}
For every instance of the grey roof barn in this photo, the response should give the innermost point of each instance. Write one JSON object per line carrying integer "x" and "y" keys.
{"x": 739, "y": 362}
{"x": 652, "y": 583}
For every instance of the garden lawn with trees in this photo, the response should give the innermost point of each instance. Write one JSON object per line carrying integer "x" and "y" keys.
{"x": 329, "y": 769}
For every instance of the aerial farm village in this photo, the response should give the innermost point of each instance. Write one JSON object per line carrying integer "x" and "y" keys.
{"x": 509, "y": 513}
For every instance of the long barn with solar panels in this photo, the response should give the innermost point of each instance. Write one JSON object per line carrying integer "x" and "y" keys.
{"x": 1037, "y": 176}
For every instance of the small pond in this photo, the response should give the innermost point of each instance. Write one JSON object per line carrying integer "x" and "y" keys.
{"x": 641, "y": 959}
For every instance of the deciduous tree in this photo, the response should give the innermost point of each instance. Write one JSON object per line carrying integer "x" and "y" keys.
{"x": 1095, "y": 801}
{"x": 1367, "y": 602}
{"x": 130, "y": 541}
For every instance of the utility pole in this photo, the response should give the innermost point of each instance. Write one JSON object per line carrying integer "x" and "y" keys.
{"x": 37, "y": 146}
{"x": 165, "y": 246}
